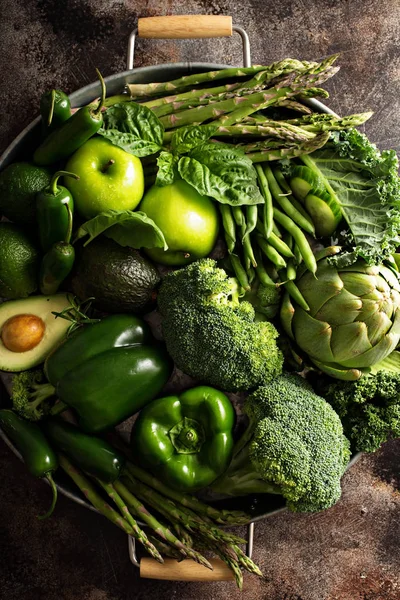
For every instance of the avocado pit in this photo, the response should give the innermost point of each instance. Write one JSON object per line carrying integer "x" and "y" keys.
{"x": 22, "y": 332}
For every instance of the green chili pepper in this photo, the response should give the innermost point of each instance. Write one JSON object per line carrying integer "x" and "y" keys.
{"x": 92, "y": 454}
{"x": 186, "y": 440}
{"x": 52, "y": 218}
{"x": 63, "y": 142}
{"x": 108, "y": 371}
{"x": 58, "y": 262}
{"x": 55, "y": 109}
{"x": 39, "y": 458}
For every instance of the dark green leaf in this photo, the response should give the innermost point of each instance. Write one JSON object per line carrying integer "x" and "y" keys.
{"x": 187, "y": 138}
{"x": 133, "y": 127}
{"x": 167, "y": 169}
{"x": 126, "y": 227}
{"x": 222, "y": 172}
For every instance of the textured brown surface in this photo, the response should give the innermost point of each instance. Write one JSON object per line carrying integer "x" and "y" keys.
{"x": 351, "y": 552}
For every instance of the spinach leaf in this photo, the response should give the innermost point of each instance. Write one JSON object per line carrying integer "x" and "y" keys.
{"x": 167, "y": 168}
{"x": 133, "y": 127}
{"x": 187, "y": 138}
{"x": 222, "y": 172}
{"x": 126, "y": 227}
{"x": 366, "y": 185}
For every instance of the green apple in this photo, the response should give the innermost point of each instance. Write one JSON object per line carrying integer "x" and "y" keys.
{"x": 110, "y": 178}
{"x": 188, "y": 221}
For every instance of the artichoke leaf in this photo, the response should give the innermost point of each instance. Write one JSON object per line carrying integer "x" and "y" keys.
{"x": 350, "y": 341}
{"x": 378, "y": 325}
{"x": 340, "y": 310}
{"x": 337, "y": 371}
{"x": 358, "y": 284}
{"x": 312, "y": 336}
{"x": 317, "y": 292}
{"x": 377, "y": 353}
{"x": 286, "y": 315}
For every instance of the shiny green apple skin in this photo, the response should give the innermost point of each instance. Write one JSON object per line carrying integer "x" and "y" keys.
{"x": 188, "y": 221}
{"x": 104, "y": 185}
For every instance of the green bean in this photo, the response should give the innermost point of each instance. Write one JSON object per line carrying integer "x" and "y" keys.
{"x": 240, "y": 272}
{"x": 291, "y": 271}
{"x": 299, "y": 238}
{"x": 229, "y": 226}
{"x": 297, "y": 296}
{"x": 251, "y": 274}
{"x": 285, "y": 203}
{"x": 262, "y": 274}
{"x": 288, "y": 239}
{"x": 248, "y": 252}
{"x": 286, "y": 187}
{"x": 267, "y": 206}
{"x": 270, "y": 252}
{"x": 297, "y": 254}
{"x": 280, "y": 245}
{"x": 251, "y": 218}
{"x": 275, "y": 230}
{"x": 238, "y": 215}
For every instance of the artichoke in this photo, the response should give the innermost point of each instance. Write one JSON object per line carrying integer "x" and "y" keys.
{"x": 354, "y": 317}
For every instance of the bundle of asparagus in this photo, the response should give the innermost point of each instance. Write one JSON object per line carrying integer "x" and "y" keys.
{"x": 189, "y": 523}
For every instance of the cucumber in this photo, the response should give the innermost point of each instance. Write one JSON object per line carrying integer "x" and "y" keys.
{"x": 324, "y": 212}
{"x": 303, "y": 181}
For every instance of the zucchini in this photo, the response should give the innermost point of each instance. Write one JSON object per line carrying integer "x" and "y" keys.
{"x": 324, "y": 211}
{"x": 303, "y": 181}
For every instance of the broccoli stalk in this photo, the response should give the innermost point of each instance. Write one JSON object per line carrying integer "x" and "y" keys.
{"x": 294, "y": 445}
{"x": 31, "y": 397}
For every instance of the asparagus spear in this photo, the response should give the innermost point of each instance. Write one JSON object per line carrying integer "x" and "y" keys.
{"x": 322, "y": 122}
{"x": 138, "y": 533}
{"x": 308, "y": 147}
{"x": 165, "y": 549}
{"x": 224, "y": 517}
{"x": 276, "y": 129}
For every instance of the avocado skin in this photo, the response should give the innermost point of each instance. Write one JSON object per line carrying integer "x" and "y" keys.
{"x": 119, "y": 278}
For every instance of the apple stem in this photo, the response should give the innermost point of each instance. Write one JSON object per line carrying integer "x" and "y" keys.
{"x": 107, "y": 165}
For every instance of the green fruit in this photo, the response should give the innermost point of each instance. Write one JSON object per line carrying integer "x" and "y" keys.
{"x": 19, "y": 263}
{"x": 110, "y": 178}
{"x": 120, "y": 279}
{"x": 29, "y": 330}
{"x": 188, "y": 221}
{"x": 19, "y": 184}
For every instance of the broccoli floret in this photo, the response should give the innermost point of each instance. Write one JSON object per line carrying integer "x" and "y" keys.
{"x": 264, "y": 299}
{"x": 210, "y": 334}
{"x": 31, "y": 395}
{"x": 294, "y": 445}
{"x": 369, "y": 408}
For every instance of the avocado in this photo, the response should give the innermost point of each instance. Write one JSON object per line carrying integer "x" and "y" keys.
{"x": 29, "y": 330}
{"x": 119, "y": 278}
{"x": 19, "y": 263}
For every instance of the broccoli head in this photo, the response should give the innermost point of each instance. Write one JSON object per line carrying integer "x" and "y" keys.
{"x": 265, "y": 300}
{"x": 369, "y": 408}
{"x": 294, "y": 445}
{"x": 32, "y": 397}
{"x": 210, "y": 334}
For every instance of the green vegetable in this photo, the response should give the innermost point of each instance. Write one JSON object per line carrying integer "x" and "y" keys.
{"x": 55, "y": 109}
{"x": 38, "y": 456}
{"x": 354, "y": 317}
{"x": 106, "y": 373}
{"x": 186, "y": 440}
{"x": 365, "y": 185}
{"x": 92, "y": 454}
{"x": 210, "y": 335}
{"x": 265, "y": 300}
{"x": 132, "y": 127}
{"x": 294, "y": 445}
{"x": 369, "y": 408}
{"x": 126, "y": 227}
{"x": 57, "y": 263}
{"x": 63, "y": 142}
{"x": 31, "y": 397}
{"x": 324, "y": 211}
{"x": 52, "y": 218}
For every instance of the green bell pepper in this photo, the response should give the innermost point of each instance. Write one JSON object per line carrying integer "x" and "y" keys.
{"x": 186, "y": 440}
{"x": 108, "y": 371}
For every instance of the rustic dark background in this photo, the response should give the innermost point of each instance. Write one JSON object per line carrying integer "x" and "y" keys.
{"x": 350, "y": 552}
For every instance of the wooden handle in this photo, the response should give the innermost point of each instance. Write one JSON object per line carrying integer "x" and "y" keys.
{"x": 185, "y": 570}
{"x": 185, "y": 26}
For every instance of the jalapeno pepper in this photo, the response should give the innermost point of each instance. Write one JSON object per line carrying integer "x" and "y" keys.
{"x": 52, "y": 218}
{"x": 92, "y": 454}
{"x": 63, "y": 142}
{"x": 55, "y": 109}
{"x": 39, "y": 458}
{"x": 186, "y": 441}
{"x": 58, "y": 262}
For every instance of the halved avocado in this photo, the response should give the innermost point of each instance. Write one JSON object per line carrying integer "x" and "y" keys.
{"x": 29, "y": 330}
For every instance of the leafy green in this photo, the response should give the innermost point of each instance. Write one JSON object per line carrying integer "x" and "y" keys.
{"x": 187, "y": 138}
{"x": 134, "y": 128}
{"x": 366, "y": 185}
{"x": 167, "y": 168}
{"x": 127, "y": 228}
{"x": 222, "y": 172}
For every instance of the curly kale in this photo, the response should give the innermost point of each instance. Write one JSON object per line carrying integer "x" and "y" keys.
{"x": 294, "y": 445}
{"x": 369, "y": 408}
{"x": 210, "y": 334}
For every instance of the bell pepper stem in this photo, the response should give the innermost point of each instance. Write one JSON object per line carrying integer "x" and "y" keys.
{"x": 103, "y": 94}
{"x": 51, "y": 112}
{"x": 68, "y": 235}
{"x": 54, "y": 499}
{"x": 53, "y": 183}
